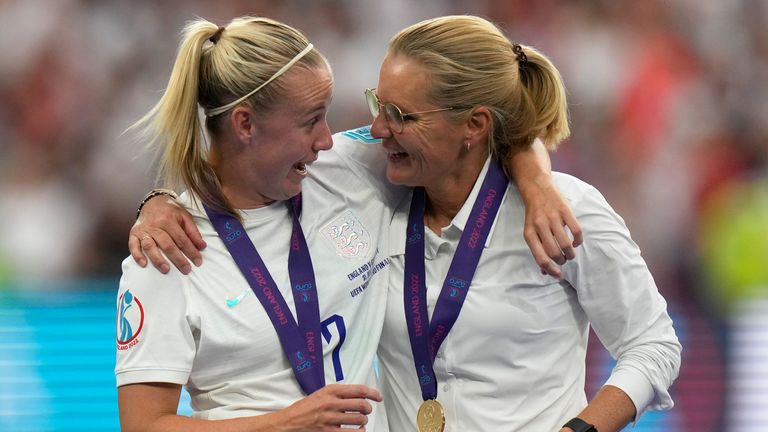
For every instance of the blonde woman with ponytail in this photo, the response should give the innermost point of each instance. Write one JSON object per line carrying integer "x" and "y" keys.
{"x": 264, "y": 336}
{"x": 475, "y": 339}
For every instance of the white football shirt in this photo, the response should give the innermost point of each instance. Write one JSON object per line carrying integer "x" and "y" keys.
{"x": 515, "y": 358}
{"x": 209, "y": 332}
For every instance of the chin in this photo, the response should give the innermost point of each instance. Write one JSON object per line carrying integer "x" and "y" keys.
{"x": 292, "y": 193}
{"x": 289, "y": 192}
{"x": 397, "y": 177}
{"x": 292, "y": 186}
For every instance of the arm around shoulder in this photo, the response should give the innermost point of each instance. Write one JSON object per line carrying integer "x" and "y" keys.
{"x": 163, "y": 229}
{"x": 547, "y": 213}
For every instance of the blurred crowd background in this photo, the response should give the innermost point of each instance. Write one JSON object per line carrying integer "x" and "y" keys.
{"x": 669, "y": 112}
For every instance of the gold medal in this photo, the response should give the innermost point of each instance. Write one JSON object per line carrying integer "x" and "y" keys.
{"x": 431, "y": 417}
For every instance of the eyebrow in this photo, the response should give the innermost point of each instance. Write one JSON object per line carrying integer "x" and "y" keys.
{"x": 315, "y": 109}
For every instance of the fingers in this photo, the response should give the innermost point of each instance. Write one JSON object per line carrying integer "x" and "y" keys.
{"x": 549, "y": 232}
{"x": 564, "y": 244}
{"x": 331, "y": 407}
{"x": 149, "y": 246}
{"x": 546, "y": 265}
{"x": 551, "y": 245}
{"x": 142, "y": 245}
{"x": 575, "y": 228}
{"x": 134, "y": 245}
{"x": 355, "y": 391}
{"x": 345, "y": 418}
{"x": 354, "y": 398}
{"x": 553, "y": 238}
{"x": 348, "y": 404}
{"x": 164, "y": 241}
{"x": 180, "y": 239}
{"x": 166, "y": 231}
{"x": 552, "y": 269}
{"x": 191, "y": 242}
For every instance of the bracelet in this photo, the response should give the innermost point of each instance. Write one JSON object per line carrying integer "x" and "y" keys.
{"x": 153, "y": 193}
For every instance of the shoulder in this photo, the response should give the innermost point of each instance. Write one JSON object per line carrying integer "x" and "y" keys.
{"x": 361, "y": 135}
{"x": 357, "y": 163}
{"x": 584, "y": 198}
{"x": 192, "y": 204}
{"x": 354, "y": 143}
{"x": 195, "y": 208}
{"x": 149, "y": 281}
{"x": 573, "y": 188}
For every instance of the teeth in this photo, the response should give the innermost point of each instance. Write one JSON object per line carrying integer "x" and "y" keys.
{"x": 301, "y": 168}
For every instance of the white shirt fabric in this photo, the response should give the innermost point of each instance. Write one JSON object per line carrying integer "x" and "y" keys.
{"x": 515, "y": 358}
{"x": 230, "y": 358}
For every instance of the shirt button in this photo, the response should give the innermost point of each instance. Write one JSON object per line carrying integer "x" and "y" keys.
{"x": 446, "y": 387}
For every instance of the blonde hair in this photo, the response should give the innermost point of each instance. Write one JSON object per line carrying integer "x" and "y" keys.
{"x": 215, "y": 66}
{"x": 471, "y": 63}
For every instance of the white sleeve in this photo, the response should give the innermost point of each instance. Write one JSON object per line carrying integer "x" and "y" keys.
{"x": 155, "y": 342}
{"x": 366, "y": 158}
{"x": 623, "y": 305}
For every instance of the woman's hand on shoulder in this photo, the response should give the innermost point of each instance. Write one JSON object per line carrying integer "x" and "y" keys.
{"x": 547, "y": 215}
{"x": 164, "y": 225}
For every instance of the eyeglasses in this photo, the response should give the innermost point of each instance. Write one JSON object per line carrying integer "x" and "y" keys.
{"x": 395, "y": 117}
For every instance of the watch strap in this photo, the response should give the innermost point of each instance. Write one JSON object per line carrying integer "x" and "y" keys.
{"x": 579, "y": 425}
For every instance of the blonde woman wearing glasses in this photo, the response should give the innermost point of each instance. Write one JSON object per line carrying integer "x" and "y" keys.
{"x": 278, "y": 328}
{"x": 475, "y": 339}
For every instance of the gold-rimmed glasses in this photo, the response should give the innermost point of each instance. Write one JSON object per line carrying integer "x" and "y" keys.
{"x": 395, "y": 116}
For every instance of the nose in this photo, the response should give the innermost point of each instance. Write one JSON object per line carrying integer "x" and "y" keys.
{"x": 380, "y": 127}
{"x": 325, "y": 140}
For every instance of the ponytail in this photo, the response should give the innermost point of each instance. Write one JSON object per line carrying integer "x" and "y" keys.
{"x": 215, "y": 67}
{"x": 471, "y": 63}
{"x": 544, "y": 90}
{"x": 173, "y": 124}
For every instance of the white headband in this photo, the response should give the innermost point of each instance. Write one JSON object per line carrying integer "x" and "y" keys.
{"x": 216, "y": 111}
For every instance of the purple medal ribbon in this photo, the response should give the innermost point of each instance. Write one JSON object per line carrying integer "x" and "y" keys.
{"x": 301, "y": 342}
{"x": 425, "y": 344}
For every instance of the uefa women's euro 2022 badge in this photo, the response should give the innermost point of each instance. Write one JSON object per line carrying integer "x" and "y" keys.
{"x": 130, "y": 320}
{"x": 348, "y": 236}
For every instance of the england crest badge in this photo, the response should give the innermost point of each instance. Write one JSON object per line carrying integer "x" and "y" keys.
{"x": 348, "y": 236}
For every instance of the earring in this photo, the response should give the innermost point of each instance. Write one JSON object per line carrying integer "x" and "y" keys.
{"x": 467, "y": 144}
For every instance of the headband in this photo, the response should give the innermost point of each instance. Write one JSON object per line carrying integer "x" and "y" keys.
{"x": 216, "y": 111}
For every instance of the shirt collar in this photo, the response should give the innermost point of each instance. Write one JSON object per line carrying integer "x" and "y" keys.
{"x": 400, "y": 219}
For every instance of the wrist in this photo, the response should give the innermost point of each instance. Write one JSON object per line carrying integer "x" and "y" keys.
{"x": 534, "y": 182}
{"x": 153, "y": 193}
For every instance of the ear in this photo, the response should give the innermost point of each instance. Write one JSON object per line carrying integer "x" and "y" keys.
{"x": 479, "y": 124}
{"x": 243, "y": 123}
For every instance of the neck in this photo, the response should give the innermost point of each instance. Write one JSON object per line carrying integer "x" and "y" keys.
{"x": 233, "y": 183}
{"x": 241, "y": 201}
{"x": 446, "y": 197}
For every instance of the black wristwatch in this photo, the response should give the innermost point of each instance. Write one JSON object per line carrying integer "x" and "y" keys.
{"x": 579, "y": 425}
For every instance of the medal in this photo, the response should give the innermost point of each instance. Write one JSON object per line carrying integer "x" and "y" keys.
{"x": 431, "y": 417}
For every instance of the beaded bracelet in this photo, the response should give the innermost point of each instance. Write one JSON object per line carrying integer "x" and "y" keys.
{"x": 153, "y": 193}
